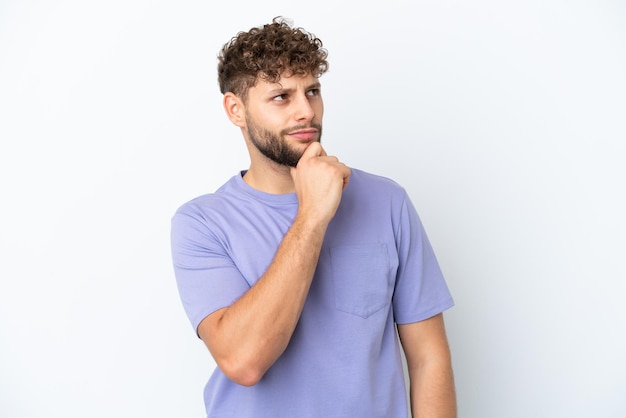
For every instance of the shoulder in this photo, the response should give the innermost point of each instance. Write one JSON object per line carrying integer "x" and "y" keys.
{"x": 372, "y": 196}
{"x": 373, "y": 184}
{"x": 210, "y": 205}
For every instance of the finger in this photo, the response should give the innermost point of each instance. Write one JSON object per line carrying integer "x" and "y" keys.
{"x": 329, "y": 158}
{"x": 314, "y": 150}
{"x": 346, "y": 177}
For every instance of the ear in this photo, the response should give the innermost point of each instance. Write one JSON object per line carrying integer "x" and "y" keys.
{"x": 235, "y": 109}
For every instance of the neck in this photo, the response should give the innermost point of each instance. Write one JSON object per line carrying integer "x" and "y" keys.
{"x": 271, "y": 178}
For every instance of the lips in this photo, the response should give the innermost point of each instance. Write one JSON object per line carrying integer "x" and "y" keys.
{"x": 304, "y": 134}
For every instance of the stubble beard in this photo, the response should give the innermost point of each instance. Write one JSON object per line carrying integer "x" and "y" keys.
{"x": 274, "y": 146}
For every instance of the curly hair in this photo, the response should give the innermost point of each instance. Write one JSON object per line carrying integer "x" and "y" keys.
{"x": 269, "y": 52}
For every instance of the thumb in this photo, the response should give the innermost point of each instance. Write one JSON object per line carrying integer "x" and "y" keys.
{"x": 314, "y": 150}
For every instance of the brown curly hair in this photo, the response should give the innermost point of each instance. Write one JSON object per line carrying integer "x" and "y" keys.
{"x": 269, "y": 52}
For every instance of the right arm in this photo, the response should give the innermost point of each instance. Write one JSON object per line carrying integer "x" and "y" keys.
{"x": 246, "y": 338}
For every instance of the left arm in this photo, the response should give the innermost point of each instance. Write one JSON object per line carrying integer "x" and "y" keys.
{"x": 429, "y": 364}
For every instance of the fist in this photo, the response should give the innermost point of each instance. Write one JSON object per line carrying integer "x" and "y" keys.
{"x": 319, "y": 180}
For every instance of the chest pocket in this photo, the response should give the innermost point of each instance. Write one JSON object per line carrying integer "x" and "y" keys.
{"x": 361, "y": 278}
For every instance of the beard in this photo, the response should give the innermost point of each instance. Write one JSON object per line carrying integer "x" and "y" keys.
{"x": 273, "y": 145}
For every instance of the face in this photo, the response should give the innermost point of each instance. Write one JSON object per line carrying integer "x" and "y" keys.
{"x": 283, "y": 118}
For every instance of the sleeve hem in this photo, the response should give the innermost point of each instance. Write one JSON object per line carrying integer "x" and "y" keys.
{"x": 420, "y": 316}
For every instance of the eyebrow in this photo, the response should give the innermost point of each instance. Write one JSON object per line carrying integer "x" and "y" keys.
{"x": 316, "y": 85}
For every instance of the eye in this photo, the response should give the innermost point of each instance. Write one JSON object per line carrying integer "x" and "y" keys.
{"x": 313, "y": 92}
{"x": 280, "y": 98}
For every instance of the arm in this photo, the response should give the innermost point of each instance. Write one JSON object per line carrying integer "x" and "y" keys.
{"x": 430, "y": 369}
{"x": 246, "y": 338}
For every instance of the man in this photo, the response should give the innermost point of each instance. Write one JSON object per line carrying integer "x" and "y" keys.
{"x": 297, "y": 271}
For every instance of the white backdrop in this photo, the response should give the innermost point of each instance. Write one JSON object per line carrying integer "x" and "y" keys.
{"x": 506, "y": 121}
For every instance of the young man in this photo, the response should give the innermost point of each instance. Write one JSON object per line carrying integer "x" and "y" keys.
{"x": 299, "y": 273}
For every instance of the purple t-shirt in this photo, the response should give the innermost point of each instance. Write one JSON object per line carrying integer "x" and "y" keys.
{"x": 376, "y": 269}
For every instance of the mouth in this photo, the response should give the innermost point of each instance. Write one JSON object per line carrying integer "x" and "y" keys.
{"x": 305, "y": 135}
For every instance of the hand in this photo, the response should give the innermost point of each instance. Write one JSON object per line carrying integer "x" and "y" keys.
{"x": 319, "y": 180}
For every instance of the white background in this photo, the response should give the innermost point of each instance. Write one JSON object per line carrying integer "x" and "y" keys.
{"x": 506, "y": 122}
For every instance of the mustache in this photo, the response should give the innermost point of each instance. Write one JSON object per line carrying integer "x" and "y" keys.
{"x": 286, "y": 131}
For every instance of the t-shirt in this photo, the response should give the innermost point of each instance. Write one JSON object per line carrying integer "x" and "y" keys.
{"x": 376, "y": 269}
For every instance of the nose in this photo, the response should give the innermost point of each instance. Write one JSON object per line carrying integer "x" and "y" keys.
{"x": 303, "y": 109}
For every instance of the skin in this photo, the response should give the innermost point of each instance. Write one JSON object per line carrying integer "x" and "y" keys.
{"x": 427, "y": 353}
{"x": 246, "y": 338}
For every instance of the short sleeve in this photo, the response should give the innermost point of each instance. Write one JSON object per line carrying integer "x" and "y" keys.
{"x": 421, "y": 290}
{"x": 206, "y": 276}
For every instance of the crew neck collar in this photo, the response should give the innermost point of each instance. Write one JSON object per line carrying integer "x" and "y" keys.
{"x": 275, "y": 199}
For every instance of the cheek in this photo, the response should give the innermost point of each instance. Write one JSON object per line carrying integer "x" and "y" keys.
{"x": 319, "y": 111}
{"x": 268, "y": 121}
